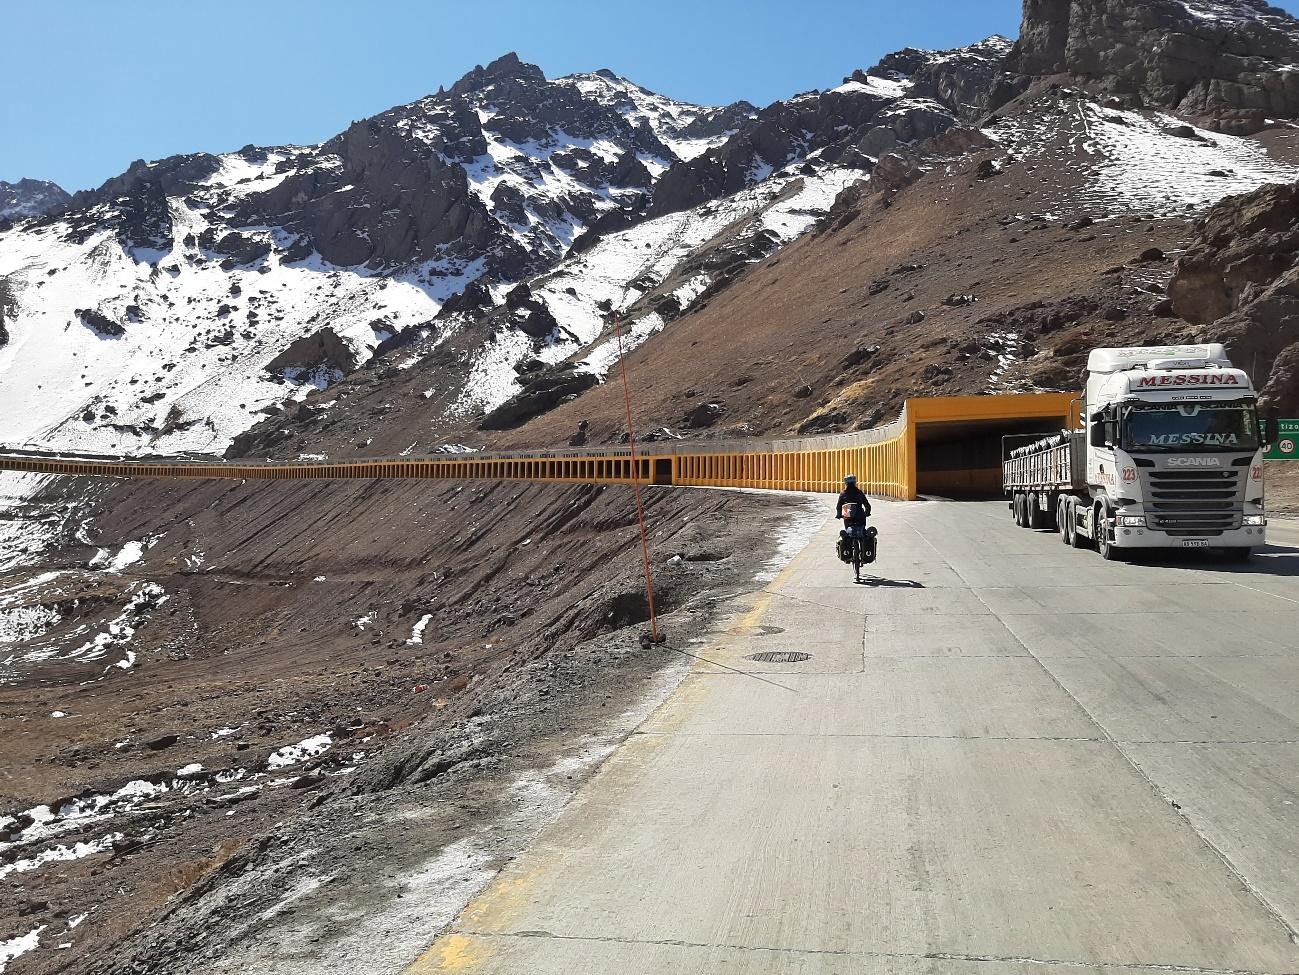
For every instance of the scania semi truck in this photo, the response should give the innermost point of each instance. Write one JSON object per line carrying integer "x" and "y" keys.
{"x": 1169, "y": 455}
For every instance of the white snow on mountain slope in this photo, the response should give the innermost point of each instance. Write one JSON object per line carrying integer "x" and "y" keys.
{"x": 188, "y": 372}
{"x": 1133, "y": 160}
{"x": 547, "y": 226}
{"x": 1237, "y": 11}
{"x": 669, "y": 118}
{"x": 786, "y": 206}
{"x": 885, "y": 87}
{"x": 993, "y": 48}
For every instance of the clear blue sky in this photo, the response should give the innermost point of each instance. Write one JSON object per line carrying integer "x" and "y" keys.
{"x": 90, "y": 85}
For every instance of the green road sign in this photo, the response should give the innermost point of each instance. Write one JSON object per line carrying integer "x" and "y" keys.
{"x": 1287, "y": 445}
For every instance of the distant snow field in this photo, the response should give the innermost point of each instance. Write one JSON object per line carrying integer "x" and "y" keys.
{"x": 188, "y": 371}
{"x": 1135, "y": 161}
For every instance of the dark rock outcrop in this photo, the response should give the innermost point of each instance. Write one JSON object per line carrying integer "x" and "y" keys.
{"x": 541, "y": 393}
{"x": 1214, "y": 60}
{"x": 321, "y": 349}
{"x": 962, "y": 80}
{"x": 1281, "y": 395}
{"x": 31, "y": 198}
{"x": 851, "y": 125}
{"x": 99, "y": 323}
{"x": 1244, "y": 243}
{"x": 703, "y": 416}
{"x": 1239, "y": 281}
{"x": 908, "y": 98}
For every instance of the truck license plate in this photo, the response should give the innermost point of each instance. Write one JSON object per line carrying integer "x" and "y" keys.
{"x": 1195, "y": 543}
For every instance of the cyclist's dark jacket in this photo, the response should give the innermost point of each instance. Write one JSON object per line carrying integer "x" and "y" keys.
{"x": 852, "y": 495}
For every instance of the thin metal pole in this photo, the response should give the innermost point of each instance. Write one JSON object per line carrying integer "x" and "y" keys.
{"x": 655, "y": 637}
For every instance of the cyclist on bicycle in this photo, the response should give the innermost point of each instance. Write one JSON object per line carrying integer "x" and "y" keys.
{"x": 852, "y": 494}
{"x": 852, "y": 508}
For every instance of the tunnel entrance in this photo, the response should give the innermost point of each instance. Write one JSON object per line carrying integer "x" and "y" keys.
{"x": 959, "y": 440}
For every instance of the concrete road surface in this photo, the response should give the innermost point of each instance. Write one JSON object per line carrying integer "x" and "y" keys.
{"x": 1002, "y": 756}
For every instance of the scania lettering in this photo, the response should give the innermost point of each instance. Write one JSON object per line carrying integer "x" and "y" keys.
{"x": 1151, "y": 467}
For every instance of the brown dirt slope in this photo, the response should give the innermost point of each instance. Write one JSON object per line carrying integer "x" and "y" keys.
{"x": 288, "y": 613}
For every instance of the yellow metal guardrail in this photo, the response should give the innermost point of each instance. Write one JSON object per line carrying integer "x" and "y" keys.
{"x": 885, "y": 459}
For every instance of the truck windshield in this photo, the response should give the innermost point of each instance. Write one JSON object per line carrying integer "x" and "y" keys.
{"x": 1190, "y": 427}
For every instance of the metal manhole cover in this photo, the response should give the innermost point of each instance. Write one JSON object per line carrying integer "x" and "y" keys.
{"x": 779, "y": 657}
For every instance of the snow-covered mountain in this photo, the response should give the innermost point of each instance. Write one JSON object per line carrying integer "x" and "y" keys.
{"x": 492, "y": 233}
{"x": 30, "y": 198}
{"x": 164, "y": 310}
{"x": 169, "y": 308}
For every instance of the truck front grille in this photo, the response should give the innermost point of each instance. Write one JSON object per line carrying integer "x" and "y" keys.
{"x": 1194, "y": 502}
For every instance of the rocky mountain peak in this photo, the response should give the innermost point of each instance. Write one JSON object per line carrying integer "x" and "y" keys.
{"x": 30, "y": 198}
{"x": 961, "y": 78}
{"x": 508, "y": 67}
{"x": 1226, "y": 63}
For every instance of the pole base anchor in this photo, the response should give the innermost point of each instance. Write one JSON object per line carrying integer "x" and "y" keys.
{"x": 648, "y": 640}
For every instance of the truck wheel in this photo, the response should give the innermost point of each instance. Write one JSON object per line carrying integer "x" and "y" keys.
{"x": 1019, "y": 510}
{"x": 1062, "y": 521}
{"x": 1071, "y": 516}
{"x": 1051, "y": 517}
{"x": 1109, "y": 551}
{"x": 1076, "y": 538}
{"x": 1034, "y": 513}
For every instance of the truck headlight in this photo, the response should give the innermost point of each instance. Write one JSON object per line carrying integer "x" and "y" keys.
{"x": 1256, "y": 521}
{"x": 1132, "y": 521}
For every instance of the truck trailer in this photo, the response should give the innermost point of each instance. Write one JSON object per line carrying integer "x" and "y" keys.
{"x": 1169, "y": 455}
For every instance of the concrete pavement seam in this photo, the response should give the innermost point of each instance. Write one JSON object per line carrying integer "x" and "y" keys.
{"x": 850, "y": 953}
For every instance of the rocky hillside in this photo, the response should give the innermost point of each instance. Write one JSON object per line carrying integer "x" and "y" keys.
{"x": 170, "y": 308}
{"x": 1239, "y": 281}
{"x": 30, "y": 198}
{"x": 187, "y": 294}
{"x": 1039, "y": 219}
{"x": 1231, "y": 65}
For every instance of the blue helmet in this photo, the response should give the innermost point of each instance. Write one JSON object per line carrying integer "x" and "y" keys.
{"x": 851, "y": 480}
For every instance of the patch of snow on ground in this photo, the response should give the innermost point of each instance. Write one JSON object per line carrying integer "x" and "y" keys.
{"x": 27, "y": 525}
{"x": 1006, "y": 357}
{"x": 797, "y": 533}
{"x": 604, "y": 356}
{"x": 1131, "y": 161}
{"x": 60, "y": 854}
{"x": 16, "y": 947}
{"x": 303, "y": 750}
{"x": 417, "y": 634}
{"x": 884, "y": 87}
{"x": 47, "y": 823}
{"x": 25, "y": 623}
{"x": 117, "y": 633}
{"x": 127, "y": 556}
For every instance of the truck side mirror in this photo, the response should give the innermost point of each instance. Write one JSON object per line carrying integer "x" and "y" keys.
{"x": 1271, "y": 430}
